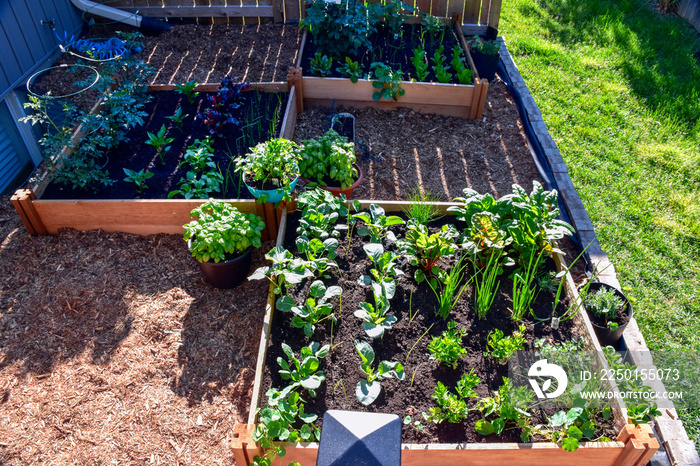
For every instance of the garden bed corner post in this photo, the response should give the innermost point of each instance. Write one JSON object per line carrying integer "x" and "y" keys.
{"x": 640, "y": 445}
{"x": 243, "y": 445}
{"x": 23, "y": 199}
{"x": 294, "y": 80}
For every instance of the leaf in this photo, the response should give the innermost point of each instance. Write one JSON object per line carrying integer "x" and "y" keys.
{"x": 575, "y": 432}
{"x": 558, "y": 419}
{"x": 317, "y": 289}
{"x": 285, "y": 303}
{"x": 570, "y": 444}
{"x": 366, "y": 393}
{"x": 373, "y": 330}
{"x": 498, "y": 426}
{"x": 365, "y": 350}
{"x": 484, "y": 427}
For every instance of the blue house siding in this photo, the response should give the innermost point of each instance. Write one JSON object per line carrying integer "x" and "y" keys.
{"x": 26, "y": 45}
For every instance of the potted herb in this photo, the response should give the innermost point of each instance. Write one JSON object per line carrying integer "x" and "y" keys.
{"x": 485, "y": 56}
{"x": 329, "y": 161}
{"x": 222, "y": 239}
{"x": 609, "y": 311}
{"x": 270, "y": 169}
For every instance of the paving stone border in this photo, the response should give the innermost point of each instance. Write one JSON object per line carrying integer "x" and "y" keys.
{"x": 679, "y": 449}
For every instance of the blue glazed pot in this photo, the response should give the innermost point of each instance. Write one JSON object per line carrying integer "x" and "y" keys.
{"x": 273, "y": 195}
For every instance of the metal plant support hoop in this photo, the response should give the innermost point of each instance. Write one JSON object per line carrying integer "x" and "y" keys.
{"x": 30, "y": 82}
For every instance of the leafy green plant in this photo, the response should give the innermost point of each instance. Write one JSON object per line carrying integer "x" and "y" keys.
{"x": 224, "y": 103}
{"x": 431, "y": 24}
{"x": 447, "y": 348}
{"x": 368, "y": 389}
{"x": 447, "y": 286}
{"x": 343, "y": 28}
{"x": 509, "y": 406}
{"x": 160, "y": 142}
{"x": 274, "y": 161}
{"x": 303, "y": 372}
{"x": 329, "y": 158}
{"x": 420, "y": 64}
{"x": 203, "y": 177}
{"x": 350, "y": 69}
{"x": 321, "y": 65}
{"x": 187, "y": 89}
{"x": 485, "y": 284}
{"x": 220, "y": 231}
{"x": 320, "y": 213}
{"x": 315, "y": 309}
{"x": 464, "y": 74}
{"x": 178, "y": 118}
{"x": 376, "y": 319}
{"x": 388, "y": 82}
{"x": 394, "y": 14}
{"x": 384, "y": 272}
{"x": 424, "y": 249}
{"x": 377, "y": 224}
{"x": 485, "y": 47}
{"x": 276, "y": 422}
{"x": 285, "y": 269}
{"x": 453, "y": 407}
{"x": 503, "y": 348}
{"x": 321, "y": 253}
{"x": 574, "y": 425}
{"x": 138, "y": 178}
{"x": 606, "y": 304}
{"x": 439, "y": 68}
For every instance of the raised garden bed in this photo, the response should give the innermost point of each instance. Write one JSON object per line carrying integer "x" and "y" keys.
{"x": 633, "y": 445}
{"x": 462, "y": 100}
{"x": 140, "y": 216}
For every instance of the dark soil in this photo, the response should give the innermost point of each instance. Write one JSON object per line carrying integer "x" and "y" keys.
{"x": 260, "y": 107}
{"x": 396, "y": 52}
{"x": 406, "y": 343}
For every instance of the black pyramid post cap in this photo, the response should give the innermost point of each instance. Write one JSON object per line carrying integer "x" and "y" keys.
{"x": 350, "y": 438}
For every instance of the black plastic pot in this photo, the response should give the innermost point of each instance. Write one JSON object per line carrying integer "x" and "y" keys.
{"x": 344, "y": 124}
{"x": 486, "y": 65}
{"x": 230, "y": 273}
{"x": 608, "y": 337}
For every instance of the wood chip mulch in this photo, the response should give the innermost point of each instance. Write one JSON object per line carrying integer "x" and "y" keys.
{"x": 113, "y": 350}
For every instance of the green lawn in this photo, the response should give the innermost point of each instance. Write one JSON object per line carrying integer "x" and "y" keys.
{"x": 620, "y": 92}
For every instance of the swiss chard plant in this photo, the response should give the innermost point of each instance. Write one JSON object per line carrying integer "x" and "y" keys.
{"x": 447, "y": 348}
{"x": 501, "y": 347}
{"x": 350, "y": 69}
{"x": 303, "y": 372}
{"x": 452, "y": 407}
{"x": 377, "y": 224}
{"x": 321, "y": 65}
{"x": 224, "y": 103}
{"x": 368, "y": 389}
{"x": 316, "y": 308}
{"x": 424, "y": 249}
{"x": 285, "y": 269}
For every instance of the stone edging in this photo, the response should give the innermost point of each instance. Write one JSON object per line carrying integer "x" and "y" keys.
{"x": 674, "y": 439}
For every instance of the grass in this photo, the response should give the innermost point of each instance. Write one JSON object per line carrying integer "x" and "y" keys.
{"x": 619, "y": 89}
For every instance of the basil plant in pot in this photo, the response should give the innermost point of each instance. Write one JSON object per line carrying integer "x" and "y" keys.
{"x": 222, "y": 239}
{"x": 270, "y": 170}
{"x": 329, "y": 161}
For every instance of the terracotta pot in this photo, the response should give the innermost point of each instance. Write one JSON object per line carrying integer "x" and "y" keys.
{"x": 336, "y": 191}
{"x": 230, "y": 273}
{"x": 608, "y": 337}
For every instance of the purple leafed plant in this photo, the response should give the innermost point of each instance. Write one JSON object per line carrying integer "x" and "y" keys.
{"x": 229, "y": 98}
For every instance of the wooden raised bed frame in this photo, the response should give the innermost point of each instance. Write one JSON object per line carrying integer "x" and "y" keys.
{"x": 634, "y": 446}
{"x": 465, "y": 101}
{"x": 139, "y": 216}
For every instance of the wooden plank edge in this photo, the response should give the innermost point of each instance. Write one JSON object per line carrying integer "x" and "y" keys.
{"x": 289, "y": 121}
{"x": 265, "y": 335}
{"x": 444, "y": 110}
{"x": 18, "y": 199}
